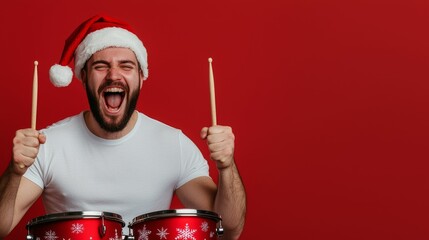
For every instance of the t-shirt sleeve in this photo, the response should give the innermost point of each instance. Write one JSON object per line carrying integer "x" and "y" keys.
{"x": 193, "y": 164}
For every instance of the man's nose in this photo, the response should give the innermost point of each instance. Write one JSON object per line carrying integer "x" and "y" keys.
{"x": 114, "y": 73}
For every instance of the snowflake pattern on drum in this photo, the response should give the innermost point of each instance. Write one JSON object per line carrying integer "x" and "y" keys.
{"x": 186, "y": 233}
{"x": 204, "y": 226}
{"x": 144, "y": 233}
{"x": 182, "y": 233}
{"x": 116, "y": 236}
{"x": 77, "y": 228}
{"x": 89, "y": 225}
{"x": 177, "y": 224}
{"x": 162, "y": 233}
{"x": 51, "y": 235}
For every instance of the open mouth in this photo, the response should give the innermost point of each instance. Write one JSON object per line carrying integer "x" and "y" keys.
{"x": 114, "y": 98}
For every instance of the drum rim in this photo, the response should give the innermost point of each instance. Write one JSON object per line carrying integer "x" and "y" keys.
{"x": 75, "y": 215}
{"x": 187, "y": 212}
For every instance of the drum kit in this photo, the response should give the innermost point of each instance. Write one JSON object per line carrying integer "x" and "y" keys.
{"x": 177, "y": 224}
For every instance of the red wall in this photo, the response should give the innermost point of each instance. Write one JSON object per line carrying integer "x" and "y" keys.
{"x": 329, "y": 101}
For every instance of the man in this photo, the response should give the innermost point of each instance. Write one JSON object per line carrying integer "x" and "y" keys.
{"x": 114, "y": 158}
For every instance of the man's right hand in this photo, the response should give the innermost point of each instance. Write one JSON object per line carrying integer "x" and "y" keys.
{"x": 25, "y": 149}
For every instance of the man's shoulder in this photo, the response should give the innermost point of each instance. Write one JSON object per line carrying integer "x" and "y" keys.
{"x": 154, "y": 128}
{"x": 155, "y": 123}
{"x": 64, "y": 124}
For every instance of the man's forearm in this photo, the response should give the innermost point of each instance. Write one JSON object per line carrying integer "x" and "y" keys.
{"x": 9, "y": 184}
{"x": 230, "y": 202}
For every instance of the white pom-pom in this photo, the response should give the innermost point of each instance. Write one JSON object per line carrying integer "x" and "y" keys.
{"x": 61, "y": 76}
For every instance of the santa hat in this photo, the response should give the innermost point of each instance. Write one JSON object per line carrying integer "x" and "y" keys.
{"x": 93, "y": 35}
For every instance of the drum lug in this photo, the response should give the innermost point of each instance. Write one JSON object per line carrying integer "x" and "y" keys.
{"x": 219, "y": 231}
{"x": 29, "y": 237}
{"x": 102, "y": 230}
{"x": 130, "y": 235}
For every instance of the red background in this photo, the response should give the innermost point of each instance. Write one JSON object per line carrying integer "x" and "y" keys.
{"x": 328, "y": 100}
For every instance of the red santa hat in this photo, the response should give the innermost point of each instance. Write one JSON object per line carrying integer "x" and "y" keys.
{"x": 93, "y": 35}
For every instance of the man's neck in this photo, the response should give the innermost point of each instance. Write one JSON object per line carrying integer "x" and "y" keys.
{"x": 95, "y": 128}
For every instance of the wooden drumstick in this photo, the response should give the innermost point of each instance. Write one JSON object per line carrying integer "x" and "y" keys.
{"x": 34, "y": 101}
{"x": 212, "y": 93}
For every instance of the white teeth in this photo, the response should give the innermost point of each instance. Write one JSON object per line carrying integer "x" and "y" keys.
{"x": 114, "y": 90}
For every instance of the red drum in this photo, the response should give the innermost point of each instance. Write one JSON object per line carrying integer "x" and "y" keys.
{"x": 88, "y": 225}
{"x": 183, "y": 224}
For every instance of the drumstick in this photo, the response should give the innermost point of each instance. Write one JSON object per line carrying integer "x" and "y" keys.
{"x": 212, "y": 93}
{"x": 34, "y": 102}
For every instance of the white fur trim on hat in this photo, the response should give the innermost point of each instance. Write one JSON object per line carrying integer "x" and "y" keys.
{"x": 61, "y": 76}
{"x": 110, "y": 37}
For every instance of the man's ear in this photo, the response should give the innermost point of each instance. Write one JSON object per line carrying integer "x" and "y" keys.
{"x": 141, "y": 78}
{"x": 83, "y": 76}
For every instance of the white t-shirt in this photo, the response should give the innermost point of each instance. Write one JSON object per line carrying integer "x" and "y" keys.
{"x": 130, "y": 176}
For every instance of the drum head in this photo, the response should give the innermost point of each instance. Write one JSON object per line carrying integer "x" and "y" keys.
{"x": 54, "y": 217}
{"x": 176, "y": 213}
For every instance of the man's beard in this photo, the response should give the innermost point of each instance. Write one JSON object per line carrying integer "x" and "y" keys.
{"x": 114, "y": 126}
